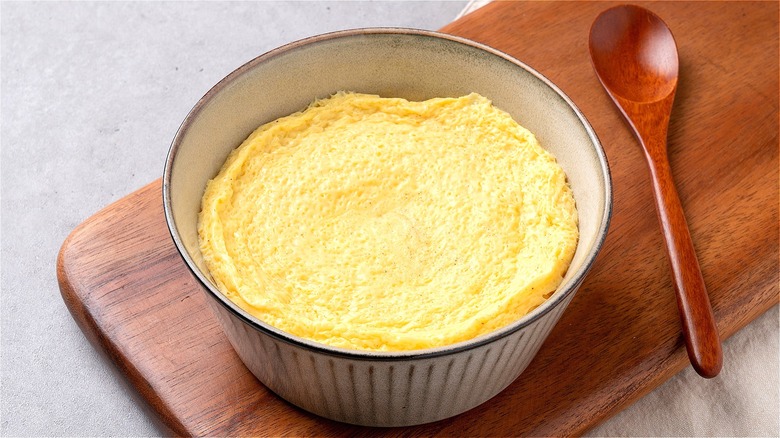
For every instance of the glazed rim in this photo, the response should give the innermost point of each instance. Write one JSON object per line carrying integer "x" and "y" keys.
{"x": 544, "y": 308}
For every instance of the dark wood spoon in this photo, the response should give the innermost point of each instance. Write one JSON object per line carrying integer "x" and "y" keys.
{"x": 635, "y": 58}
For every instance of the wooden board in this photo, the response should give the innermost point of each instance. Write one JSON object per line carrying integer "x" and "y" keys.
{"x": 131, "y": 294}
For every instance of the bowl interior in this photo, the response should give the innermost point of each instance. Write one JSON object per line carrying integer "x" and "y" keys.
{"x": 414, "y": 65}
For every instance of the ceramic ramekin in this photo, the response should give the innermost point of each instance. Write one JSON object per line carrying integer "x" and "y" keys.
{"x": 378, "y": 388}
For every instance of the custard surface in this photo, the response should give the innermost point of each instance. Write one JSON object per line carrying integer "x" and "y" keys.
{"x": 382, "y": 224}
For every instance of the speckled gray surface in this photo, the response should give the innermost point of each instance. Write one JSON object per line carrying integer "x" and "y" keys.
{"x": 91, "y": 95}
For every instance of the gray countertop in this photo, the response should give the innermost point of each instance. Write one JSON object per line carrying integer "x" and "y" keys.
{"x": 92, "y": 94}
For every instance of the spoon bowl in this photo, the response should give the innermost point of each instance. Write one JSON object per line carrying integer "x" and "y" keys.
{"x": 633, "y": 36}
{"x": 635, "y": 58}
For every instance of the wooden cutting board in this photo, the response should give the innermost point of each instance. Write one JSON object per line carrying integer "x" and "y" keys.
{"x": 129, "y": 291}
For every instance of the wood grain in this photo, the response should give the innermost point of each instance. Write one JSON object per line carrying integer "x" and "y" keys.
{"x": 621, "y": 337}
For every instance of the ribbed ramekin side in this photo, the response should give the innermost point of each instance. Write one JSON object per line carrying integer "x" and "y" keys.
{"x": 387, "y": 392}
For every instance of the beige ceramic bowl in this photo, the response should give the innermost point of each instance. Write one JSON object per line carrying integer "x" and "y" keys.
{"x": 370, "y": 388}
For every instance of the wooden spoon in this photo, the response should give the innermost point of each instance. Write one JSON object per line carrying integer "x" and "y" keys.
{"x": 635, "y": 58}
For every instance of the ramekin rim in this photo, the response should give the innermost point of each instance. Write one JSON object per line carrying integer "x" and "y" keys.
{"x": 320, "y": 348}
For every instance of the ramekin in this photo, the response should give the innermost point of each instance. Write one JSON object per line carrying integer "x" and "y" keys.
{"x": 383, "y": 388}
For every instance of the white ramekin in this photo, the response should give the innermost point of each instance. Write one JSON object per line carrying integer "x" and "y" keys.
{"x": 378, "y": 388}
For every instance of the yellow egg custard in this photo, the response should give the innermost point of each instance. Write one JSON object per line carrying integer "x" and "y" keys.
{"x": 376, "y": 223}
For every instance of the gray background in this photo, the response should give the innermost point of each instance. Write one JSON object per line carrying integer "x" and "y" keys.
{"x": 91, "y": 96}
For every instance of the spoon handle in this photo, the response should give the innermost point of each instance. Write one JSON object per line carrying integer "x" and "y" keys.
{"x": 701, "y": 334}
